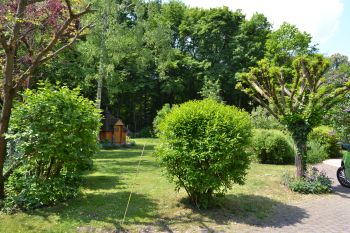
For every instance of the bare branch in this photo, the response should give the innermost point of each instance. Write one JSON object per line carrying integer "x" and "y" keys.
{"x": 294, "y": 91}
{"x": 24, "y": 34}
{"x": 287, "y": 91}
{"x": 283, "y": 88}
{"x": 65, "y": 46}
{"x": 43, "y": 56}
{"x": 84, "y": 12}
{"x": 9, "y": 172}
{"x": 331, "y": 99}
{"x": 69, "y": 8}
{"x": 18, "y": 21}
{"x": 266, "y": 106}
{"x": 274, "y": 97}
{"x": 29, "y": 49}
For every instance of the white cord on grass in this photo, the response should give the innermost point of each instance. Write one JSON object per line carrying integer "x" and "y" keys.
{"x": 133, "y": 184}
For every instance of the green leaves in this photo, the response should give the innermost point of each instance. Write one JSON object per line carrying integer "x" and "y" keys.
{"x": 203, "y": 147}
{"x": 290, "y": 84}
{"x": 54, "y": 131}
{"x": 272, "y": 146}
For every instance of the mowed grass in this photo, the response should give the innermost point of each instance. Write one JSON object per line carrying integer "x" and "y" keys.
{"x": 154, "y": 203}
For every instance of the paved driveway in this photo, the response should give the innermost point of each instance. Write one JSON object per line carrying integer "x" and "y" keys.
{"x": 329, "y": 214}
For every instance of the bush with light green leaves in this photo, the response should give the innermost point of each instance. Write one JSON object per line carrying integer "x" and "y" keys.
{"x": 327, "y": 137}
{"x": 270, "y": 146}
{"x": 203, "y": 148}
{"x": 53, "y": 133}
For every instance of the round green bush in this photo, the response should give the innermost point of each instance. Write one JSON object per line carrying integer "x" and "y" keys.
{"x": 271, "y": 146}
{"x": 54, "y": 133}
{"x": 203, "y": 148}
{"x": 327, "y": 137}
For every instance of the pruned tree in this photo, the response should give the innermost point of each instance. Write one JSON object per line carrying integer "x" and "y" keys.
{"x": 31, "y": 33}
{"x": 298, "y": 102}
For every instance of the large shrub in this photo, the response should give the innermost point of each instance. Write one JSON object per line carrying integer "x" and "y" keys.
{"x": 203, "y": 148}
{"x": 327, "y": 137}
{"x": 54, "y": 133}
{"x": 272, "y": 147}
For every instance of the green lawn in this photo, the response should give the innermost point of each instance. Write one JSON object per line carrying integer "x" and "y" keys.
{"x": 154, "y": 203}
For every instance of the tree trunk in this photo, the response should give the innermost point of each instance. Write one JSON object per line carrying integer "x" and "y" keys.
{"x": 4, "y": 124}
{"x": 300, "y": 158}
{"x": 299, "y": 132}
{"x": 8, "y": 95}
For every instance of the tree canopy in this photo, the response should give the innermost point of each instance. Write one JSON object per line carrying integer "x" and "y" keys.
{"x": 299, "y": 103}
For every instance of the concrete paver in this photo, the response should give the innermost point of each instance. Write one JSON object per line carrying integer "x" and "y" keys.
{"x": 329, "y": 214}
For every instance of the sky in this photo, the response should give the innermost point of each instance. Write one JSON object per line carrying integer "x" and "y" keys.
{"x": 328, "y": 21}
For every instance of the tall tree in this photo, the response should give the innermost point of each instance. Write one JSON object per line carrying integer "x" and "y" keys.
{"x": 287, "y": 42}
{"x": 31, "y": 33}
{"x": 300, "y": 102}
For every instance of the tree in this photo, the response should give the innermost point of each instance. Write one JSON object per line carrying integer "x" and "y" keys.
{"x": 287, "y": 42}
{"x": 225, "y": 41}
{"x": 300, "y": 102}
{"x": 31, "y": 33}
{"x": 211, "y": 90}
{"x": 149, "y": 60}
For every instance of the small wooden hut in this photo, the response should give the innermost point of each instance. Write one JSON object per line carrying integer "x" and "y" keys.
{"x": 113, "y": 129}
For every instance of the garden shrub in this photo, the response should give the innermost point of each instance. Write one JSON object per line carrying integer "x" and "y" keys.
{"x": 160, "y": 117}
{"x": 54, "y": 131}
{"x": 327, "y": 137}
{"x": 316, "y": 152}
{"x": 314, "y": 182}
{"x": 271, "y": 146}
{"x": 203, "y": 148}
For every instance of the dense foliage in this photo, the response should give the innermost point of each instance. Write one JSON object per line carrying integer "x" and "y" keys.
{"x": 327, "y": 137}
{"x": 31, "y": 34}
{"x": 203, "y": 148}
{"x": 160, "y": 117}
{"x": 53, "y": 132}
{"x": 262, "y": 119}
{"x": 140, "y": 55}
{"x": 272, "y": 147}
{"x": 316, "y": 152}
{"x": 152, "y": 53}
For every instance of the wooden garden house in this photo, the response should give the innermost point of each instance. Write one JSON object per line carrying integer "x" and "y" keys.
{"x": 113, "y": 129}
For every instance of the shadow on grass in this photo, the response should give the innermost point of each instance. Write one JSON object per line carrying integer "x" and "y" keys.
{"x": 104, "y": 208}
{"x": 246, "y": 209}
{"x": 100, "y": 182}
